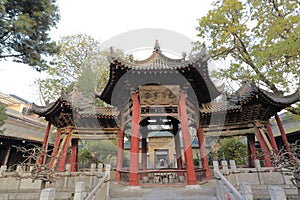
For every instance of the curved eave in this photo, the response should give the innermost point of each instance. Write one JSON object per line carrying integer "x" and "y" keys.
{"x": 278, "y": 100}
{"x": 46, "y": 110}
{"x": 269, "y": 98}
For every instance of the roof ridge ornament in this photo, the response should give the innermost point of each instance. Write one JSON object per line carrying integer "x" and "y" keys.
{"x": 156, "y": 46}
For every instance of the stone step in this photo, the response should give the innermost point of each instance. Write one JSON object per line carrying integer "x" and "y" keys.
{"x": 203, "y": 192}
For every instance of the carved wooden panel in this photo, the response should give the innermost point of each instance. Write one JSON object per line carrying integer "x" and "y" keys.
{"x": 159, "y": 95}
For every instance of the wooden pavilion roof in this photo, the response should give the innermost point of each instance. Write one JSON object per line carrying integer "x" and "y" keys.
{"x": 73, "y": 110}
{"x": 234, "y": 116}
{"x": 127, "y": 76}
{"x": 247, "y": 105}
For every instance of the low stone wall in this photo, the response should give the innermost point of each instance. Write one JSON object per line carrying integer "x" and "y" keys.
{"x": 260, "y": 179}
{"x": 19, "y": 185}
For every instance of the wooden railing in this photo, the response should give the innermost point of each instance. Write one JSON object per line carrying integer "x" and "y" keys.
{"x": 200, "y": 174}
{"x": 163, "y": 176}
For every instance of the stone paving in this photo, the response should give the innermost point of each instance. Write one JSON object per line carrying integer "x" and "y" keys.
{"x": 206, "y": 191}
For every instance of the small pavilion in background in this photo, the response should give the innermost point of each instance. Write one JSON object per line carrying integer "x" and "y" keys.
{"x": 172, "y": 96}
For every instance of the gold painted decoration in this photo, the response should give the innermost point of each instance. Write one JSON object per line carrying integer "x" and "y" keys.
{"x": 159, "y": 95}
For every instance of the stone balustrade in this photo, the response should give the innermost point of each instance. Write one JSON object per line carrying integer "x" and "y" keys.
{"x": 19, "y": 184}
{"x": 254, "y": 183}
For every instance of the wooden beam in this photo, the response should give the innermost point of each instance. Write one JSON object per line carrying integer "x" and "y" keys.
{"x": 229, "y": 132}
{"x": 95, "y": 137}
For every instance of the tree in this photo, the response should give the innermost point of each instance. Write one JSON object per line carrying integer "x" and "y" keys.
{"x": 102, "y": 151}
{"x": 233, "y": 148}
{"x": 3, "y": 116}
{"x": 80, "y": 61}
{"x": 24, "y": 26}
{"x": 39, "y": 171}
{"x": 289, "y": 163}
{"x": 261, "y": 40}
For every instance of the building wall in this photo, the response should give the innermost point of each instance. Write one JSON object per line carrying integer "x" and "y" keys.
{"x": 156, "y": 143}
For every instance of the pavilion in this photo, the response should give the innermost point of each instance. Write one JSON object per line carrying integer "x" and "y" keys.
{"x": 164, "y": 94}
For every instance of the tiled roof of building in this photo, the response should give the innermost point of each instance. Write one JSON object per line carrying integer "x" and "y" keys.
{"x": 74, "y": 110}
{"x": 128, "y": 76}
{"x": 20, "y": 127}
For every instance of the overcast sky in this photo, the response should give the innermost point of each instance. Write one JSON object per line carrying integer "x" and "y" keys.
{"x": 104, "y": 20}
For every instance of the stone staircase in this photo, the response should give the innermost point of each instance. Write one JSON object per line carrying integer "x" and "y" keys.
{"x": 120, "y": 192}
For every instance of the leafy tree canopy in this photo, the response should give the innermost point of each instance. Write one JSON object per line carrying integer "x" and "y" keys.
{"x": 3, "y": 116}
{"x": 98, "y": 151}
{"x": 80, "y": 61}
{"x": 260, "y": 39}
{"x": 233, "y": 148}
{"x": 24, "y": 27}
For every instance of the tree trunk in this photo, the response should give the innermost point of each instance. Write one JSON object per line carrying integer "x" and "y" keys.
{"x": 43, "y": 185}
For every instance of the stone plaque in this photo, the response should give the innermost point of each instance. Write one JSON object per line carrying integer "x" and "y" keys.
{"x": 159, "y": 95}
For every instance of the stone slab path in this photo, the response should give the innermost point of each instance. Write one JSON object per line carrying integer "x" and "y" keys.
{"x": 206, "y": 191}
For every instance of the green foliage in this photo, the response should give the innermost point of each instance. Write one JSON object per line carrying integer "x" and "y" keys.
{"x": 98, "y": 151}
{"x": 24, "y": 27}
{"x": 3, "y": 116}
{"x": 233, "y": 148}
{"x": 260, "y": 39}
{"x": 80, "y": 61}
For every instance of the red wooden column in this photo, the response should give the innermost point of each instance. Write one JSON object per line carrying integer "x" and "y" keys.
{"x": 190, "y": 169}
{"x": 263, "y": 146}
{"x": 204, "y": 158}
{"x": 43, "y": 150}
{"x": 73, "y": 158}
{"x": 65, "y": 152}
{"x": 7, "y": 154}
{"x": 283, "y": 135}
{"x": 178, "y": 150}
{"x": 144, "y": 152}
{"x": 177, "y": 146}
{"x": 134, "y": 146}
{"x": 271, "y": 136}
{"x": 252, "y": 149}
{"x": 56, "y": 145}
{"x": 120, "y": 148}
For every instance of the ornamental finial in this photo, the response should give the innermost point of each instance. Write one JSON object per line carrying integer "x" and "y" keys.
{"x": 157, "y": 47}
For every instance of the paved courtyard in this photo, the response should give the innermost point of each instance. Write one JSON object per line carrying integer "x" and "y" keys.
{"x": 121, "y": 192}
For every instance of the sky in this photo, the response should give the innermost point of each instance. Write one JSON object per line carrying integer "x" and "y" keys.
{"x": 105, "y": 20}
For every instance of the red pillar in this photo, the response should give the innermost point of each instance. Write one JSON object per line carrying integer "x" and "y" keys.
{"x": 190, "y": 169}
{"x": 43, "y": 150}
{"x": 178, "y": 151}
{"x": 134, "y": 147}
{"x": 271, "y": 136}
{"x": 65, "y": 152}
{"x": 283, "y": 135}
{"x": 263, "y": 146}
{"x": 144, "y": 153}
{"x": 73, "y": 158}
{"x": 204, "y": 158}
{"x": 7, "y": 154}
{"x": 120, "y": 148}
{"x": 252, "y": 148}
{"x": 55, "y": 149}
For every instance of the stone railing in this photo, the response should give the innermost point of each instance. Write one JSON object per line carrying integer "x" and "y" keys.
{"x": 100, "y": 191}
{"x": 251, "y": 183}
{"x": 19, "y": 184}
{"x": 225, "y": 190}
